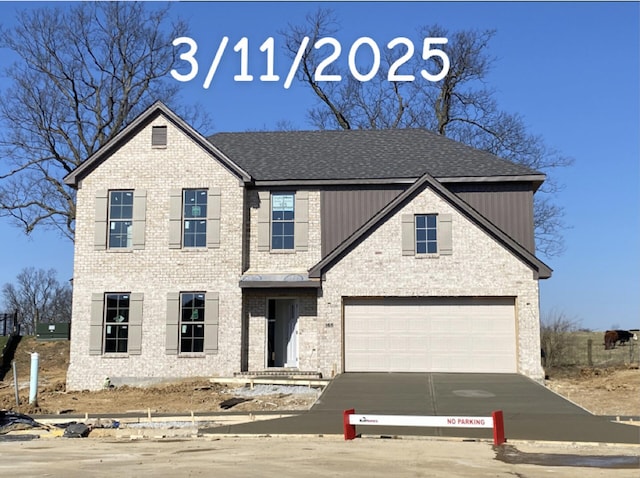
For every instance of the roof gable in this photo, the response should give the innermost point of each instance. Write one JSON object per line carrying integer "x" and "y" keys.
{"x": 540, "y": 269}
{"x": 135, "y": 127}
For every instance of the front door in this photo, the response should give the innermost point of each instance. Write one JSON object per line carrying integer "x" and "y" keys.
{"x": 282, "y": 333}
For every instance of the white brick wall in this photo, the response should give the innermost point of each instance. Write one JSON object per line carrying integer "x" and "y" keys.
{"x": 477, "y": 267}
{"x": 157, "y": 270}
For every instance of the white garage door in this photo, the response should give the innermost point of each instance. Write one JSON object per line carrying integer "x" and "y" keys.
{"x": 430, "y": 335}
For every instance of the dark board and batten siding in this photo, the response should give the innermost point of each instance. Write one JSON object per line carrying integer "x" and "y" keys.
{"x": 344, "y": 211}
{"x": 509, "y": 206}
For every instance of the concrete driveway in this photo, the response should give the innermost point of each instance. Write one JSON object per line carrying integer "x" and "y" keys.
{"x": 531, "y": 411}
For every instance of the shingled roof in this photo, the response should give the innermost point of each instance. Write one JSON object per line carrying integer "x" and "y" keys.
{"x": 359, "y": 154}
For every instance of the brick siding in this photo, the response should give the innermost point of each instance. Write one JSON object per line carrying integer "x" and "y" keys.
{"x": 479, "y": 266}
{"x": 156, "y": 269}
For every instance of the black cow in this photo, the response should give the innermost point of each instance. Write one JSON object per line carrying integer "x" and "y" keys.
{"x": 611, "y": 337}
{"x": 624, "y": 336}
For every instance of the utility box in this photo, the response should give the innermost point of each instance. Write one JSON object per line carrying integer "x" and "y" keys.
{"x": 53, "y": 331}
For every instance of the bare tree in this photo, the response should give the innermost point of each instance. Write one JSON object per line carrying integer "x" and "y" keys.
{"x": 38, "y": 297}
{"x": 556, "y": 330}
{"x": 460, "y": 106}
{"x": 83, "y": 73}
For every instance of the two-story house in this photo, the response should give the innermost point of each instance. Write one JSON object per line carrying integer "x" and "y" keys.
{"x": 315, "y": 251}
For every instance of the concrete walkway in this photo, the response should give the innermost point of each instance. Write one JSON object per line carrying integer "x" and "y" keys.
{"x": 531, "y": 411}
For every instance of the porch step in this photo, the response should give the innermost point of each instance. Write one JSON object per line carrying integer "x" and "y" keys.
{"x": 280, "y": 373}
{"x": 309, "y": 379}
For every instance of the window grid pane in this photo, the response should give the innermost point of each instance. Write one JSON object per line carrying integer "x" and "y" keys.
{"x": 116, "y": 323}
{"x": 194, "y": 217}
{"x": 282, "y": 220}
{"x": 120, "y": 219}
{"x": 192, "y": 322}
{"x": 426, "y": 234}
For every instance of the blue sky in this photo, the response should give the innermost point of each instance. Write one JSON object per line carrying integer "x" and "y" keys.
{"x": 570, "y": 69}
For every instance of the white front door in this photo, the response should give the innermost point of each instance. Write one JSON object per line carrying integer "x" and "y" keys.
{"x": 282, "y": 333}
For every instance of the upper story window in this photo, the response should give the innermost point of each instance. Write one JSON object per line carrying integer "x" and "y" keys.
{"x": 116, "y": 323}
{"x": 194, "y": 218}
{"x": 120, "y": 219}
{"x": 426, "y": 234}
{"x": 192, "y": 322}
{"x": 282, "y": 221}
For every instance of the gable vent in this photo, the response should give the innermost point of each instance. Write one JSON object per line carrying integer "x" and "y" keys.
{"x": 159, "y": 136}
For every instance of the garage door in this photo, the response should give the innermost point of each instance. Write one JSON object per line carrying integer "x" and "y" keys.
{"x": 430, "y": 335}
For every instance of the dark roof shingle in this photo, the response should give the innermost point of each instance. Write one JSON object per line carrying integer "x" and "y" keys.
{"x": 359, "y": 154}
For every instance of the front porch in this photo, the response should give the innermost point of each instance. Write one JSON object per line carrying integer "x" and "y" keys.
{"x": 279, "y": 333}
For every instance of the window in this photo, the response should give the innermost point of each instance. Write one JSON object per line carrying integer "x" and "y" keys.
{"x": 192, "y": 322}
{"x": 282, "y": 221}
{"x": 120, "y": 219}
{"x": 116, "y": 323}
{"x": 194, "y": 218}
{"x": 426, "y": 234}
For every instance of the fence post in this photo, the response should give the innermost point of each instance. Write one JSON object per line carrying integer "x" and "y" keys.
{"x": 15, "y": 382}
{"x": 16, "y": 325}
{"x": 590, "y": 352}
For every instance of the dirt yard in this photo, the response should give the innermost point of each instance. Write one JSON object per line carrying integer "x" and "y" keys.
{"x": 310, "y": 457}
{"x": 608, "y": 391}
{"x": 602, "y": 391}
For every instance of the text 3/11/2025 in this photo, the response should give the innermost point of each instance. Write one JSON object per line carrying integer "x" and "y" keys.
{"x": 405, "y": 45}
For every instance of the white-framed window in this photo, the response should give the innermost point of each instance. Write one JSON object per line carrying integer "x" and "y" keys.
{"x": 282, "y": 221}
